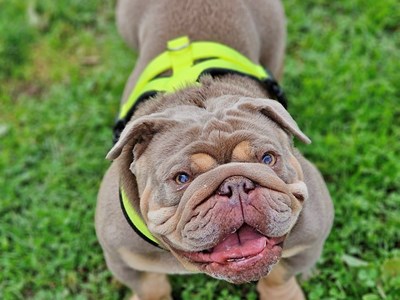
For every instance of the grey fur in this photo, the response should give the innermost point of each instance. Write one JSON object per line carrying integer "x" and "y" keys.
{"x": 216, "y": 111}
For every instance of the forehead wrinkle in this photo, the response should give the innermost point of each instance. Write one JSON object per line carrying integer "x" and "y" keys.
{"x": 213, "y": 133}
{"x": 222, "y": 144}
{"x": 215, "y": 124}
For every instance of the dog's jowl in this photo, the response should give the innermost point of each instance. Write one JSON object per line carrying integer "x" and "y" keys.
{"x": 204, "y": 174}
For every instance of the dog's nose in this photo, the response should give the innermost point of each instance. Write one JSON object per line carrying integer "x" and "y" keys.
{"x": 236, "y": 186}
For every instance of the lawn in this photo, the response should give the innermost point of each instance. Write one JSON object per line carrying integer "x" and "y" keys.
{"x": 62, "y": 71}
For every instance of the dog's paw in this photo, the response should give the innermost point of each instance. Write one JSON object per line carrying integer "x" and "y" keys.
{"x": 289, "y": 290}
{"x": 136, "y": 297}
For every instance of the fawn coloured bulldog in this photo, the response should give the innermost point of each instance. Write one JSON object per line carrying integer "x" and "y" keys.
{"x": 205, "y": 177}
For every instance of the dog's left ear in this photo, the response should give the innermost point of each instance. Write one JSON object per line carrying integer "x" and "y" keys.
{"x": 276, "y": 112}
{"x": 139, "y": 132}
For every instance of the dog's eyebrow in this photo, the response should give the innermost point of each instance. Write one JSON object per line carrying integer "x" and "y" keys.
{"x": 242, "y": 151}
{"x": 202, "y": 162}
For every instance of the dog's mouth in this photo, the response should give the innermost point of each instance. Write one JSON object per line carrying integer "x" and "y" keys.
{"x": 242, "y": 256}
{"x": 238, "y": 246}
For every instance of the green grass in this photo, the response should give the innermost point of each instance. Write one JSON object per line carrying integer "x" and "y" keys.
{"x": 62, "y": 71}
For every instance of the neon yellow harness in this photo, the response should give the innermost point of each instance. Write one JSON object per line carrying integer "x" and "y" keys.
{"x": 188, "y": 61}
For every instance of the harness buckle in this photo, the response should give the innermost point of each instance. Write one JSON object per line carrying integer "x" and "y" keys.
{"x": 178, "y": 43}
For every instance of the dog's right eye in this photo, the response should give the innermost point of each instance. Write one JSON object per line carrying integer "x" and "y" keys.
{"x": 182, "y": 178}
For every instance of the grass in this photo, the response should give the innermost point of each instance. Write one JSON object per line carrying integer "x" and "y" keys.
{"x": 62, "y": 71}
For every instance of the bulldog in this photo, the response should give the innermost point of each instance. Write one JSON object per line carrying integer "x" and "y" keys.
{"x": 205, "y": 176}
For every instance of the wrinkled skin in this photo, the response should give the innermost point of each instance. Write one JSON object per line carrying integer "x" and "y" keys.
{"x": 231, "y": 217}
{"x": 249, "y": 205}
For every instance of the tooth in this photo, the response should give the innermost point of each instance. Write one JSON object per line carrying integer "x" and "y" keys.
{"x": 236, "y": 259}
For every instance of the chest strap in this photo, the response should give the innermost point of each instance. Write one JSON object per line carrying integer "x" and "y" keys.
{"x": 134, "y": 219}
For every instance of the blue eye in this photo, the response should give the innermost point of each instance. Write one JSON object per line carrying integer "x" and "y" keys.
{"x": 182, "y": 178}
{"x": 268, "y": 159}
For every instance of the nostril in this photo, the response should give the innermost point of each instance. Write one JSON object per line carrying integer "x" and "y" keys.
{"x": 225, "y": 190}
{"x": 248, "y": 186}
{"x": 235, "y": 185}
{"x": 299, "y": 196}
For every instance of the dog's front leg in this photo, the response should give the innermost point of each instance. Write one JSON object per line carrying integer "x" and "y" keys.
{"x": 144, "y": 285}
{"x": 276, "y": 286}
{"x": 152, "y": 286}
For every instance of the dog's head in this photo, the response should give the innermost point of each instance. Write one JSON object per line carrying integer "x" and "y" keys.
{"x": 218, "y": 185}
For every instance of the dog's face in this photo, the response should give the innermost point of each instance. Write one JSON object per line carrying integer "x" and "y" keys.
{"x": 219, "y": 185}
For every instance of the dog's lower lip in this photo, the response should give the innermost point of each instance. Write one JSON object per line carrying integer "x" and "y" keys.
{"x": 230, "y": 260}
{"x": 253, "y": 246}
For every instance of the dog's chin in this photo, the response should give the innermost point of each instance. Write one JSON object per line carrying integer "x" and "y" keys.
{"x": 243, "y": 256}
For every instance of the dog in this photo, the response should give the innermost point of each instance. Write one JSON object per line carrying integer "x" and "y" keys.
{"x": 205, "y": 176}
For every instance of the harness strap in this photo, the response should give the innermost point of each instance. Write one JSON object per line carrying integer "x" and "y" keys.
{"x": 134, "y": 220}
{"x": 188, "y": 62}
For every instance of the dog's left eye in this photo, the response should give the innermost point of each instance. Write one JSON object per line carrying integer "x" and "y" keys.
{"x": 182, "y": 178}
{"x": 268, "y": 159}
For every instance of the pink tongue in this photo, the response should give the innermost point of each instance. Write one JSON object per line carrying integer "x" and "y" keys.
{"x": 244, "y": 242}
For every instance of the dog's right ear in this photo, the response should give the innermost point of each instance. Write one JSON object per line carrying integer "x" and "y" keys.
{"x": 276, "y": 112}
{"x": 138, "y": 133}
